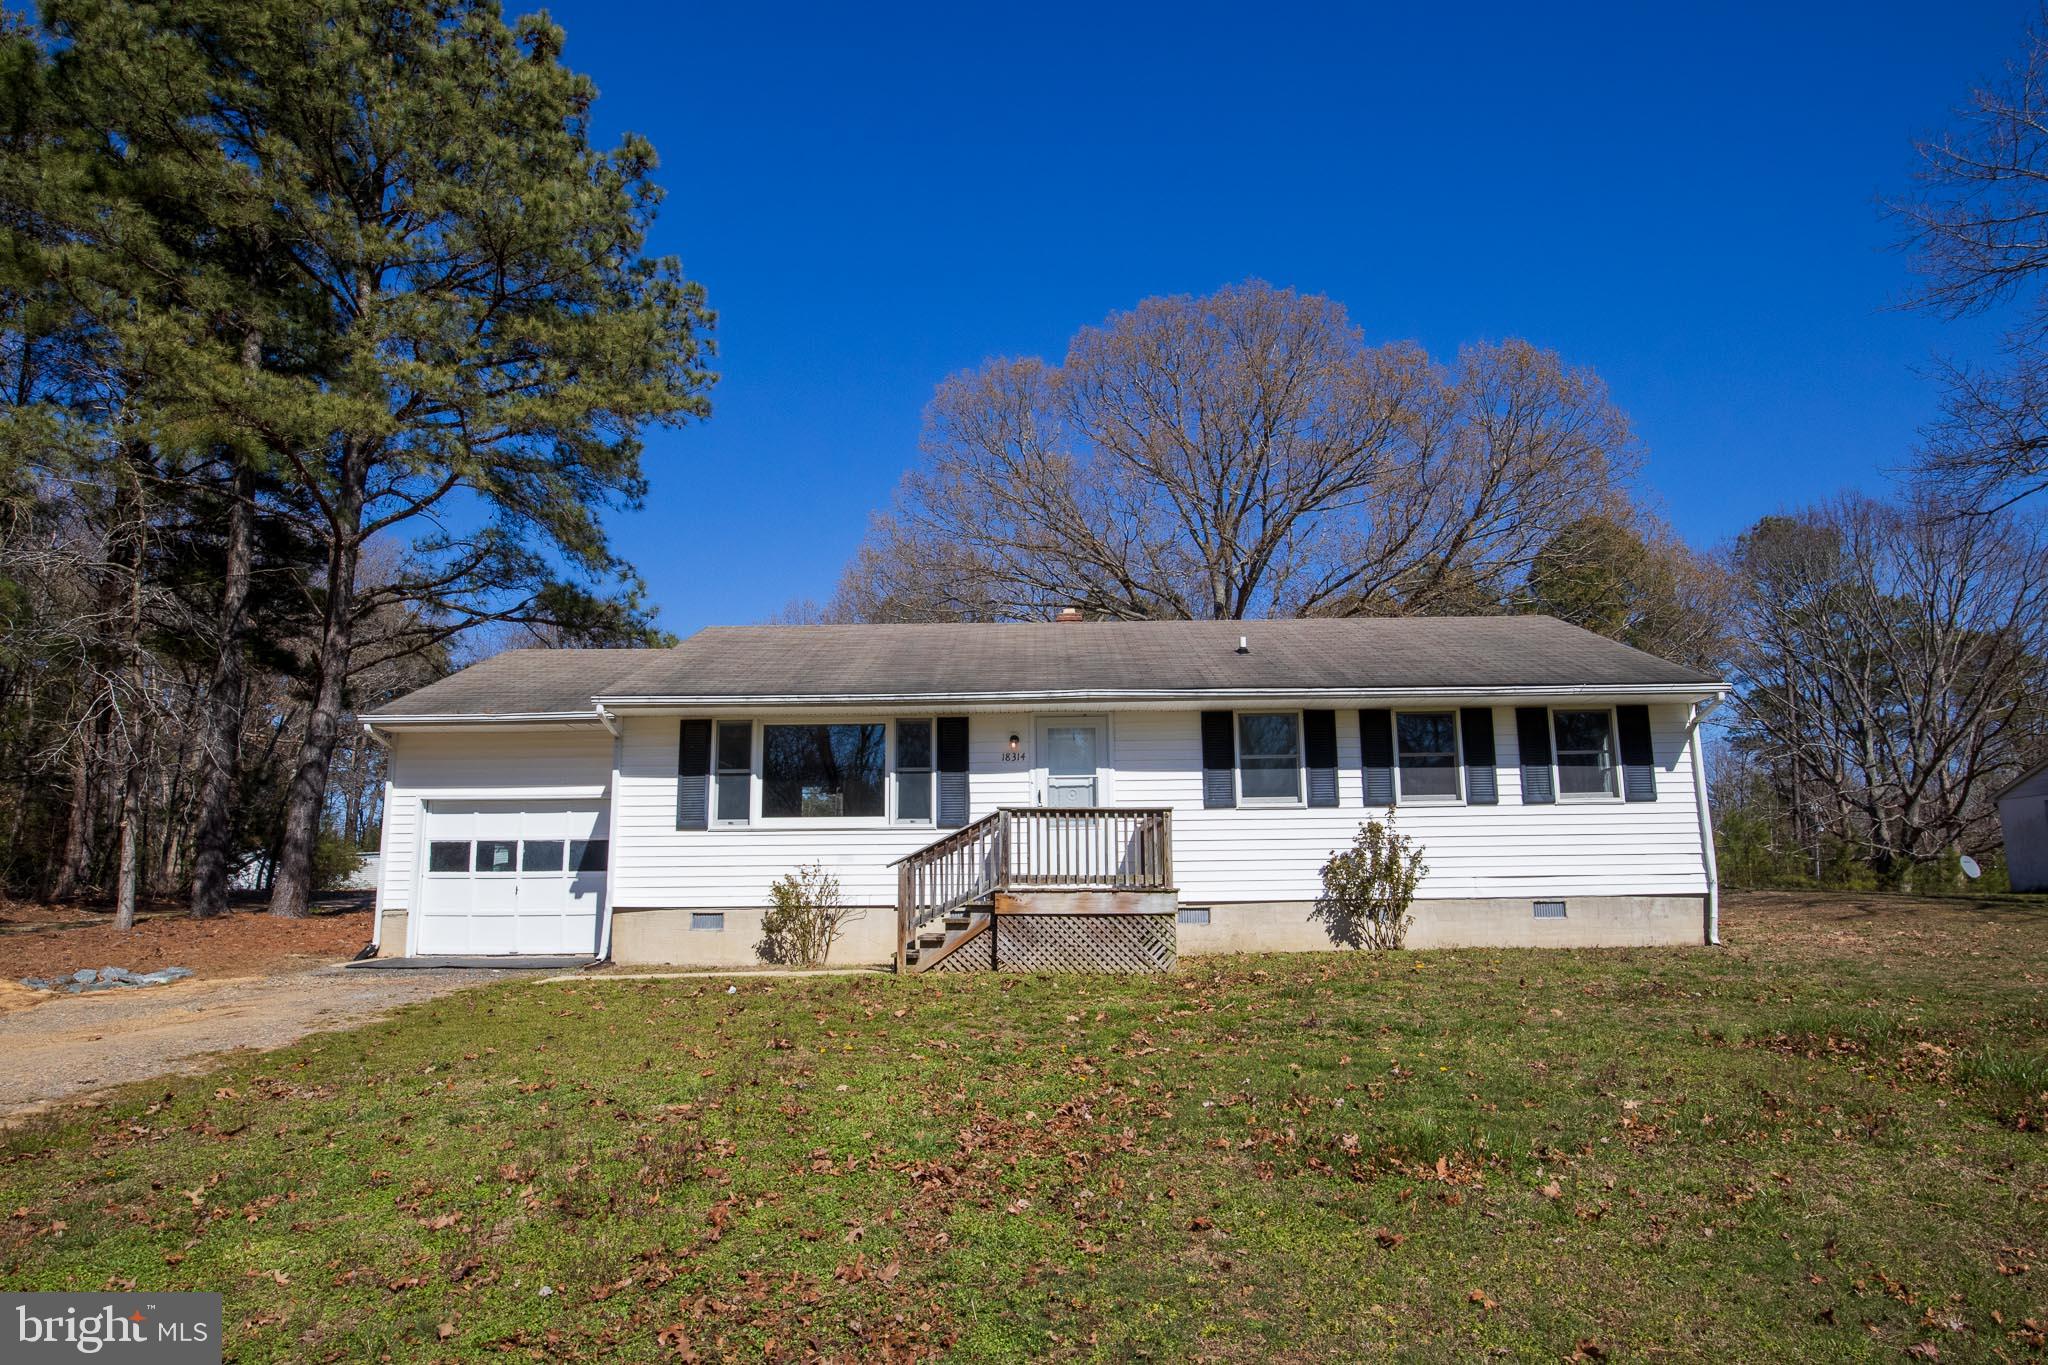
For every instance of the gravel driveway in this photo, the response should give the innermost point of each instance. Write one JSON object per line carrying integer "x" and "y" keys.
{"x": 73, "y": 1045}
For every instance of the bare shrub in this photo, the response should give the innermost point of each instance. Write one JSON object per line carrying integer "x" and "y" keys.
{"x": 1368, "y": 887}
{"x": 805, "y": 918}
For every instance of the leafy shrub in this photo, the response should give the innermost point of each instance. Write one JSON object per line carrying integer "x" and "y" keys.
{"x": 805, "y": 918}
{"x": 1368, "y": 888}
{"x": 335, "y": 861}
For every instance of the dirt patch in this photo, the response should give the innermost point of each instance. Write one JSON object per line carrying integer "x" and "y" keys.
{"x": 246, "y": 943}
{"x": 1871, "y": 924}
{"x": 76, "y": 1044}
{"x": 15, "y": 996}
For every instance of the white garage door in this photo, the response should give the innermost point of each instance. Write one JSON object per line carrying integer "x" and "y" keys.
{"x": 513, "y": 877}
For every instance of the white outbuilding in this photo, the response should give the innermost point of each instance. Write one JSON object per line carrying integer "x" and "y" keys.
{"x": 2023, "y": 815}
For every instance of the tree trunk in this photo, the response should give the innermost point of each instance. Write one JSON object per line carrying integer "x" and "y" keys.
{"x": 291, "y": 890}
{"x": 131, "y": 851}
{"x": 220, "y": 732}
{"x": 73, "y": 868}
{"x": 182, "y": 776}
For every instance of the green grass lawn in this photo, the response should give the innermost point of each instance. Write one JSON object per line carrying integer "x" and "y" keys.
{"x": 1823, "y": 1141}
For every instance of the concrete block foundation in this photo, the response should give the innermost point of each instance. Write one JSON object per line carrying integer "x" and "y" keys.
{"x": 1497, "y": 922}
{"x": 659, "y": 937}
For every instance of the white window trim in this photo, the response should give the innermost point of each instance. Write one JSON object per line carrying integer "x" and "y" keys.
{"x": 753, "y": 774}
{"x": 1299, "y": 800}
{"x": 823, "y": 822}
{"x": 931, "y": 776}
{"x": 1613, "y": 760}
{"x": 1454, "y": 798}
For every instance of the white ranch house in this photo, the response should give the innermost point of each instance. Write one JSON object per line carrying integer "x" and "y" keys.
{"x": 1043, "y": 795}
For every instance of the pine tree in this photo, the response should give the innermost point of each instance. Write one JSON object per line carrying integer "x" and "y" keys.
{"x": 445, "y": 306}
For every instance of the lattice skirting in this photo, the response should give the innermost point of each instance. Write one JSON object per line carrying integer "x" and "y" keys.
{"x": 969, "y": 957}
{"x": 1081, "y": 943}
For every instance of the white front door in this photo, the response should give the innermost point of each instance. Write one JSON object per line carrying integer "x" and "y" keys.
{"x": 512, "y": 877}
{"x": 1073, "y": 761}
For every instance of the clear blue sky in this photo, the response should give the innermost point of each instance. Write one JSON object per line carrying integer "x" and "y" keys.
{"x": 1684, "y": 200}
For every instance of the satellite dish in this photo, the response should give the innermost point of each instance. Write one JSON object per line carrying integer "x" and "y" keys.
{"x": 1970, "y": 868}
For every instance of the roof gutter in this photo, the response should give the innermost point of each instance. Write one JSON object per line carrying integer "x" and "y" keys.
{"x": 596, "y": 716}
{"x": 1694, "y": 692}
{"x": 608, "y": 711}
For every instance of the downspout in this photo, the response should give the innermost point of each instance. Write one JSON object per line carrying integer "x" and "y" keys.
{"x": 1700, "y": 711}
{"x": 376, "y": 948}
{"x": 611, "y": 833}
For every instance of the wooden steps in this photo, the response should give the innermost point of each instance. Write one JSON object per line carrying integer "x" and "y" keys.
{"x": 936, "y": 942}
{"x": 1088, "y": 866}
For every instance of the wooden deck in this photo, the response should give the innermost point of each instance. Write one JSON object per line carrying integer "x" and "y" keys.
{"x": 1094, "y": 882}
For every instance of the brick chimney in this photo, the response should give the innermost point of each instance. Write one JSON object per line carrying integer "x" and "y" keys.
{"x": 1069, "y": 615}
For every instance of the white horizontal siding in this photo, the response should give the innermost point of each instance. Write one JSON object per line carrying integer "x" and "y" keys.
{"x": 655, "y": 864}
{"x": 2023, "y": 819}
{"x": 1565, "y": 849}
{"x": 398, "y": 848}
{"x": 481, "y": 765}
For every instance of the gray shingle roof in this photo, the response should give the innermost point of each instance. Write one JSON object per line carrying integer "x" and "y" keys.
{"x": 520, "y": 682}
{"x": 1100, "y": 660}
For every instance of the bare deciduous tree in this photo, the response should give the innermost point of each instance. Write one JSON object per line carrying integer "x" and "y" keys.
{"x": 1890, "y": 664}
{"x": 1979, "y": 227}
{"x": 1242, "y": 454}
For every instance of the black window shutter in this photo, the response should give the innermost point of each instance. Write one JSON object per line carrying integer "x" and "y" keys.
{"x": 1482, "y": 787}
{"x": 693, "y": 776}
{"x": 952, "y": 746}
{"x": 1638, "y": 759}
{"x": 1219, "y": 759}
{"x": 1319, "y": 751}
{"x": 1532, "y": 732}
{"x": 1376, "y": 749}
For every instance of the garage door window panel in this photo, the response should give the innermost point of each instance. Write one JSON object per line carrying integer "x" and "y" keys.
{"x": 448, "y": 855}
{"x": 496, "y": 855}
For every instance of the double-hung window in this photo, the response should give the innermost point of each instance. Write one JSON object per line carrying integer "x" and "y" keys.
{"x": 1585, "y": 753}
{"x": 1269, "y": 757}
{"x": 913, "y": 772}
{"x": 1426, "y": 747}
{"x": 735, "y": 779}
{"x": 823, "y": 771}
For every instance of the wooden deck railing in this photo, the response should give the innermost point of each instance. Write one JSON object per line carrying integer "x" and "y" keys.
{"x": 1116, "y": 848}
